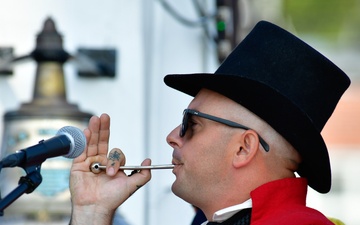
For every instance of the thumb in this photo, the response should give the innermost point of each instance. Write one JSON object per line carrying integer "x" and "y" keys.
{"x": 139, "y": 179}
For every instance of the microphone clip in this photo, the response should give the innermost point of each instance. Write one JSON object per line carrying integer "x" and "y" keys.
{"x": 27, "y": 184}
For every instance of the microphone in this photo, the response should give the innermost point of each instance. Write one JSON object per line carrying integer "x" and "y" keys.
{"x": 69, "y": 142}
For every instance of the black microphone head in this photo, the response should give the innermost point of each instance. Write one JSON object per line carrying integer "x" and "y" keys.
{"x": 77, "y": 138}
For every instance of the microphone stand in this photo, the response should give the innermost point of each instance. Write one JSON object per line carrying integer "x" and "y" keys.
{"x": 27, "y": 184}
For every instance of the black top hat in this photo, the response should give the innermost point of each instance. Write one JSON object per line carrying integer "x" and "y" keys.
{"x": 285, "y": 82}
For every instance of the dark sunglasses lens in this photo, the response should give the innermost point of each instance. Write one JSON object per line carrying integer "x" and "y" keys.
{"x": 184, "y": 124}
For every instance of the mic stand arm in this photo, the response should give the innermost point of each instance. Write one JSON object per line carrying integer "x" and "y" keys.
{"x": 27, "y": 184}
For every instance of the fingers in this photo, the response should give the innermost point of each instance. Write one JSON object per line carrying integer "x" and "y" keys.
{"x": 146, "y": 174}
{"x": 116, "y": 159}
{"x": 104, "y": 134}
{"x": 139, "y": 179}
{"x": 82, "y": 156}
{"x": 146, "y": 162}
{"x": 97, "y": 135}
{"x": 136, "y": 179}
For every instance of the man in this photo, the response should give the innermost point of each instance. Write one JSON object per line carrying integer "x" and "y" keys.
{"x": 251, "y": 125}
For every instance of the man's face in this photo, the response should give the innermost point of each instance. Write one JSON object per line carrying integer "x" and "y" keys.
{"x": 203, "y": 155}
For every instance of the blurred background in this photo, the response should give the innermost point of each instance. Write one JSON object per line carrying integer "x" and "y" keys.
{"x": 63, "y": 61}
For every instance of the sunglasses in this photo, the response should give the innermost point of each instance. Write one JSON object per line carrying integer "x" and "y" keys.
{"x": 189, "y": 112}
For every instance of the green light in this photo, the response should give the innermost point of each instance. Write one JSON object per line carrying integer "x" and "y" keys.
{"x": 221, "y": 25}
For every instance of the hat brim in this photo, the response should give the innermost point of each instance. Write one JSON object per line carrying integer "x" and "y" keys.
{"x": 290, "y": 121}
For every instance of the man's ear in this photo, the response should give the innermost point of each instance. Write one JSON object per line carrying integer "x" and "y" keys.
{"x": 247, "y": 149}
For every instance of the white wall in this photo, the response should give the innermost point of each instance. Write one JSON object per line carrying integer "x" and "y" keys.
{"x": 175, "y": 49}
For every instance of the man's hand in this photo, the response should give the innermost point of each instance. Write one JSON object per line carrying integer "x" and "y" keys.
{"x": 95, "y": 197}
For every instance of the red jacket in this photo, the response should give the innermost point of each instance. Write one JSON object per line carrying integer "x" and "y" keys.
{"x": 283, "y": 202}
